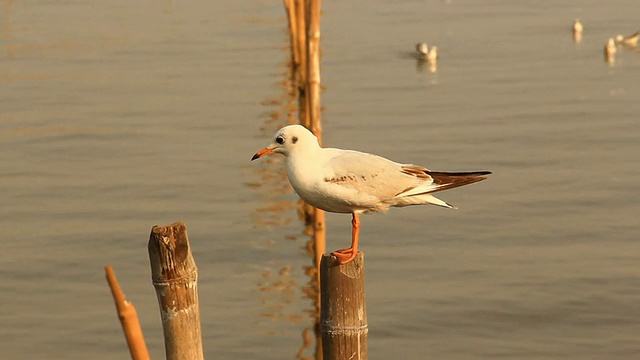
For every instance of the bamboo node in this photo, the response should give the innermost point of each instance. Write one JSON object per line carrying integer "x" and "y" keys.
{"x": 189, "y": 279}
{"x": 344, "y": 329}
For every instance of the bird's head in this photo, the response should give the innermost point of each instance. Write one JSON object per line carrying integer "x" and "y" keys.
{"x": 289, "y": 139}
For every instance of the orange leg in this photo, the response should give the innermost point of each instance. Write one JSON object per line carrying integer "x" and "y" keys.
{"x": 348, "y": 254}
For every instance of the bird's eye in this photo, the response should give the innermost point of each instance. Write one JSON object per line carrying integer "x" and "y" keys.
{"x": 280, "y": 140}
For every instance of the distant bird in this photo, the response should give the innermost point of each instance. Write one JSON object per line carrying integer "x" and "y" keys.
{"x": 423, "y": 50}
{"x": 577, "y": 26}
{"x": 631, "y": 40}
{"x": 577, "y": 31}
{"x": 610, "y": 50}
{"x": 432, "y": 56}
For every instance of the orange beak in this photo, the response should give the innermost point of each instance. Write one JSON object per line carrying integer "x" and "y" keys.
{"x": 262, "y": 153}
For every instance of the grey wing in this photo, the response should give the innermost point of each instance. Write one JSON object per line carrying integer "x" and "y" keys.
{"x": 368, "y": 175}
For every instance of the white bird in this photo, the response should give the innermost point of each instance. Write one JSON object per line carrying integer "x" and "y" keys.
{"x": 347, "y": 181}
{"x": 433, "y": 54}
{"x": 629, "y": 40}
{"x": 610, "y": 51}
{"x": 422, "y": 48}
{"x": 577, "y": 26}
{"x": 577, "y": 30}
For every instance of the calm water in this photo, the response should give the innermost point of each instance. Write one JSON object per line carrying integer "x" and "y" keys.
{"x": 116, "y": 116}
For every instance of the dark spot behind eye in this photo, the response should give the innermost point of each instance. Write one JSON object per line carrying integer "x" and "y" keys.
{"x": 294, "y": 139}
{"x": 280, "y": 140}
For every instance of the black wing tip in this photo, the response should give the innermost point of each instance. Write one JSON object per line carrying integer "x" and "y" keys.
{"x": 460, "y": 173}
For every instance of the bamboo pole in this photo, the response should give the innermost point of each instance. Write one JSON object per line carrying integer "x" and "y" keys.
{"x": 175, "y": 278}
{"x": 313, "y": 68}
{"x": 290, "y": 7}
{"x": 302, "y": 52}
{"x": 313, "y": 108}
{"x": 128, "y": 318}
{"x": 344, "y": 312}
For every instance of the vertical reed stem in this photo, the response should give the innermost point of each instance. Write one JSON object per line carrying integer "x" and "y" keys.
{"x": 290, "y": 7}
{"x": 128, "y": 318}
{"x": 301, "y": 47}
{"x": 313, "y": 108}
{"x": 175, "y": 278}
{"x": 313, "y": 68}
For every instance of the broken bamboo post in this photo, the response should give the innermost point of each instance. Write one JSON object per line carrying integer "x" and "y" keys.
{"x": 128, "y": 318}
{"x": 343, "y": 314}
{"x": 175, "y": 278}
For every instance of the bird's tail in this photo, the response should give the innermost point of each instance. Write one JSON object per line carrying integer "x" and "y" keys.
{"x": 449, "y": 180}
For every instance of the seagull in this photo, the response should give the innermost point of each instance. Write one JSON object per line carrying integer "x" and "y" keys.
{"x": 577, "y": 26}
{"x": 353, "y": 182}
{"x": 630, "y": 40}
{"x": 610, "y": 51}
{"x": 433, "y": 54}
{"x": 577, "y": 30}
{"x": 423, "y": 50}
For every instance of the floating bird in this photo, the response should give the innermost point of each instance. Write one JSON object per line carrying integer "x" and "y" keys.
{"x": 423, "y": 50}
{"x": 347, "y": 181}
{"x": 433, "y": 54}
{"x": 577, "y": 26}
{"x": 631, "y": 40}
{"x": 610, "y": 51}
{"x": 577, "y": 31}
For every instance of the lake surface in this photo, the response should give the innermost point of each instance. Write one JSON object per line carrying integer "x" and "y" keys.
{"x": 116, "y": 116}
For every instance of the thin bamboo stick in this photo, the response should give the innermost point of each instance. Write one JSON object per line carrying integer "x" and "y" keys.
{"x": 290, "y": 7}
{"x": 313, "y": 68}
{"x": 313, "y": 108}
{"x": 175, "y": 278}
{"x": 302, "y": 52}
{"x": 128, "y": 318}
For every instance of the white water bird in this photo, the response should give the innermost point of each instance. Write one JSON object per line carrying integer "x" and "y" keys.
{"x": 610, "y": 51}
{"x": 577, "y": 31}
{"x": 347, "y": 181}
{"x": 577, "y": 26}
{"x": 630, "y": 40}
{"x": 423, "y": 50}
{"x": 433, "y": 54}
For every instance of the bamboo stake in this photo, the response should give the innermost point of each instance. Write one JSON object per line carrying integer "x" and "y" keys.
{"x": 313, "y": 108}
{"x": 302, "y": 52}
{"x": 128, "y": 318}
{"x": 290, "y": 6}
{"x": 175, "y": 278}
{"x": 313, "y": 70}
{"x": 344, "y": 312}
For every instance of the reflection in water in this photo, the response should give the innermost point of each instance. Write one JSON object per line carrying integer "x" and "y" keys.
{"x": 278, "y": 289}
{"x": 426, "y": 66}
{"x": 577, "y": 37}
